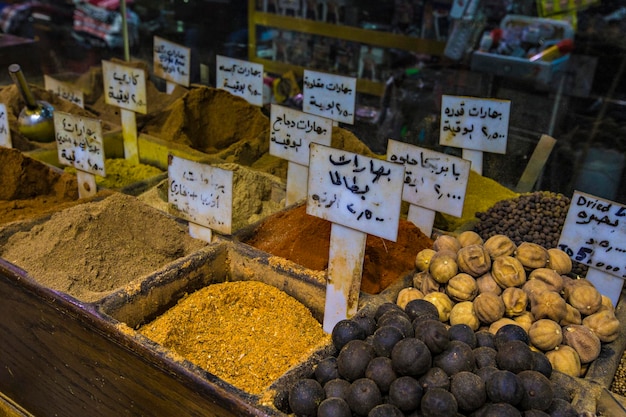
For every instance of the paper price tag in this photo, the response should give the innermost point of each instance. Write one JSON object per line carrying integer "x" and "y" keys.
{"x": 328, "y": 95}
{"x": 172, "y": 62}
{"x": 433, "y": 180}
{"x": 79, "y": 142}
{"x": 292, "y": 131}
{"x": 241, "y": 78}
{"x": 355, "y": 191}
{"x": 5, "y": 132}
{"x": 202, "y": 194}
{"x": 125, "y": 87}
{"x": 474, "y": 123}
{"x": 64, "y": 91}
{"x": 594, "y": 234}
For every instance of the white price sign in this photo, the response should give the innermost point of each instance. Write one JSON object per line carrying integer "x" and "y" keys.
{"x": 474, "y": 123}
{"x": 292, "y": 131}
{"x": 172, "y": 62}
{"x": 355, "y": 191}
{"x": 203, "y": 194}
{"x": 125, "y": 87}
{"x": 5, "y": 132}
{"x": 79, "y": 142}
{"x": 328, "y": 95}
{"x": 594, "y": 234}
{"x": 433, "y": 180}
{"x": 241, "y": 78}
{"x": 64, "y": 90}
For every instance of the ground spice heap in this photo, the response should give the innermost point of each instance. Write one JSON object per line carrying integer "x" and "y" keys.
{"x": 30, "y": 188}
{"x": 94, "y": 248}
{"x": 121, "y": 173}
{"x": 305, "y": 240}
{"x": 247, "y": 333}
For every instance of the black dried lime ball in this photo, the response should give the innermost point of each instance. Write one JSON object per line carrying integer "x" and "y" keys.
{"x": 541, "y": 363}
{"x": 385, "y": 308}
{"x": 435, "y": 377}
{"x": 486, "y": 372}
{"x": 535, "y": 413}
{"x": 438, "y": 402}
{"x": 381, "y": 372}
{"x": 345, "y": 331}
{"x": 463, "y": 333}
{"x": 485, "y": 356}
{"x": 456, "y": 358}
{"x": 305, "y": 397}
{"x": 401, "y": 321}
{"x": 326, "y": 370}
{"x": 433, "y": 333}
{"x": 406, "y": 393}
{"x": 385, "y": 338}
{"x": 367, "y": 323}
{"x": 385, "y": 410}
{"x": 421, "y": 309}
{"x": 353, "y": 359}
{"x": 334, "y": 407}
{"x": 504, "y": 387}
{"x": 510, "y": 332}
{"x": 281, "y": 401}
{"x": 469, "y": 391}
{"x": 363, "y": 395}
{"x": 411, "y": 357}
{"x": 485, "y": 338}
{"x": 514, "y": 356}
{"x": 562, "y": 408}
{"x": 499, "y": 410}
{"x": 337, "y": 388}
{"x": 538, "y": 391}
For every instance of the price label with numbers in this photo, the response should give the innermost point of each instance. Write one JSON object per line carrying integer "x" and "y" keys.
{"x": 594, "y": 234}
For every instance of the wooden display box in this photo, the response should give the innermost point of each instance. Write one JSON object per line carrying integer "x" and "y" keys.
{"x": 61, "y": 357}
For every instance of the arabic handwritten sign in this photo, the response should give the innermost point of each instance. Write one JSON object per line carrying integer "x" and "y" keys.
{"x": 171, "y": 61}
{"x": 355, "y": 191}
{"x": 125, "y": 87}
{"x": 79, "y": 142}
{"x": 474, "y": 123}
{"x": 5, "y": 132}
{"x": 64, "y": 91}
{"x": 241, "y": 78}
{"x": 292, "y": 131}
{"x": 594, "y": 234}
{"x": 432, "y": 179}
{"x": 202, "y": 194}
{"x": 329, "y": 95}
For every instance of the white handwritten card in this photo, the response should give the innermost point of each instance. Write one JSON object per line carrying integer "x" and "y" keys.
{"x": 65, "y": 91}
{"x": 292, "y": 131}
{"x": 329, "y": 95}
{"x": 172, "y": 62}
{"x": 355, "y": 191}
{"x": 433, "y": 180}
{"x": 5, "y": 132}
{"x": 241, "y": 78}
{"x": 594, "y": 234}
{"x": 474, "y": 123}
{"x": 125, "y": 87}
{"x": 201, "y": 193}
{"x": 79, "y": 142}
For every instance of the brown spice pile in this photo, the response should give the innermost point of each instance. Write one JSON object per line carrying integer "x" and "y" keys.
{"x": 247, "y": 333}
{"x": 305, "y": 240}
{"x": 30, "y": 188}
{"x": 94, "y": 248}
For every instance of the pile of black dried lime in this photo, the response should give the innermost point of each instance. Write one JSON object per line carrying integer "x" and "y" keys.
{"x": 408, "y": 363}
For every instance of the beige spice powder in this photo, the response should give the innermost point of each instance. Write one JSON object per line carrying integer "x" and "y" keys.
{"x": 247, "y": 333}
